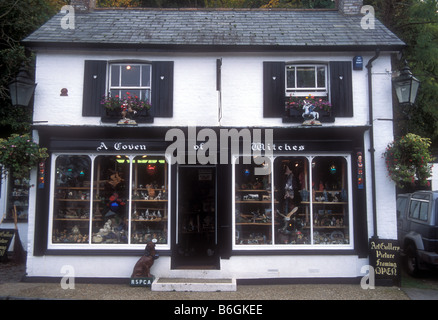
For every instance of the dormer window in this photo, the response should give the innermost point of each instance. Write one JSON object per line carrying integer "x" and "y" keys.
{"x": 134, "y": 79}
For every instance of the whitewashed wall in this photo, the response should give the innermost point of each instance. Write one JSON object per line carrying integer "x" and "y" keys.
{"x": 195, "y": 95}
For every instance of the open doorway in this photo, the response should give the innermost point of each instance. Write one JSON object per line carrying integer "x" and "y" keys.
{"x": 196, "y": 236}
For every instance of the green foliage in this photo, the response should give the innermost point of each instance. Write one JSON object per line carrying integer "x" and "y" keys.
{"x": 408, "y": 160}
{"x": 18, "y": 18}
{"x": 416, "y": 23}
{"x": 19, "y": 155}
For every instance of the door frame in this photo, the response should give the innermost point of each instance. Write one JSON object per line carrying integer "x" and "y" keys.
{"x": 176, "y": 216}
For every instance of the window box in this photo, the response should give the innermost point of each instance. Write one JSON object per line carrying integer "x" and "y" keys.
{"x": 114, "y": 116}
{"x": 130, "y": 109}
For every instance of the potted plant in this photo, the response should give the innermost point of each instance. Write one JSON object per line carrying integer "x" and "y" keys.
{"x": 408, "y": 161}
{"x": 19, "y": 154}
{"x": 300, "y": 108}
{"x": 125, "y": 109}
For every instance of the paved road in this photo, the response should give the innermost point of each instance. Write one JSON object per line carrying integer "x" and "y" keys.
{"x": 11, "y": 287}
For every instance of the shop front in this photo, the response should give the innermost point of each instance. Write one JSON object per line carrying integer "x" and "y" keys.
{"x": 287, "y": 206}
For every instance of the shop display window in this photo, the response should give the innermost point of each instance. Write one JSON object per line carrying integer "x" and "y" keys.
{"x": 18, "y": 199}
{"x": 110, "y": 199}
{"x": 303, "y": 203}
{"x": 253, "y": 204}
{"x": 292, "y": 214}
{"x": 71, "y": 210}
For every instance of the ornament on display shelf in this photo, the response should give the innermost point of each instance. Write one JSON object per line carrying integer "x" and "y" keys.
{"x": 115, "y": 203}
{"x": 151, "y": 169}
{"x": 115, "y": 179}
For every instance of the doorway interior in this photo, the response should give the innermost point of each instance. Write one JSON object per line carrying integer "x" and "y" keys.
{"x": 196, "y": 223}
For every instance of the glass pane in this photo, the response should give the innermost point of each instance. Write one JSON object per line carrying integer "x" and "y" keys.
{"x": 321, "y": 77}
{"x": 130, "y": 76}
{"x": 290, "y": 77}
{"x": 414, "y": 211}
{"x": 330, "y": 200}
{"x": 115, "y": 76}
{"x": 292, "y": 212}
{"x": 253, "y": 211}
{"x": 146, "y": 95}
{"x": 306, "y": 77}
{"x": 149, "y": 199}
{"x": 115, "y": 93}
{"x": 424, "y": 211}
{"x": 71, "y": 210}
{"x": 110, "y": 205}
{"x": 146, "y": 76}
{"x": 130, "y": 93}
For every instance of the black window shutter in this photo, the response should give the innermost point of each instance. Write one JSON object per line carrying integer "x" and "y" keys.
{"x": 273, "y": 89}
{"x": 341, "y": 88}
{"x": 94, "y": 87}
{"x": 162, "y": 89}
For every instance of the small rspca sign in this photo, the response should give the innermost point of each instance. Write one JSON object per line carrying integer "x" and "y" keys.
{"x": 141, "y": 282}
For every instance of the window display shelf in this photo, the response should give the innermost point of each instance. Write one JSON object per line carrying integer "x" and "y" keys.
{"x": 323, "y": 202}
{"x": 254, "y": 223}
{"x": 151, "y": 220}
{"x": 150, "y": 201}
{"x": 255, "y": 201}
{"x": 326, "y": 227}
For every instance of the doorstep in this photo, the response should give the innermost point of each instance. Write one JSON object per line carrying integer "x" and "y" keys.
{"x": 188, "y": 284}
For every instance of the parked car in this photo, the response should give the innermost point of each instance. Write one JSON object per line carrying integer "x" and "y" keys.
{"x": 417, "y": 226}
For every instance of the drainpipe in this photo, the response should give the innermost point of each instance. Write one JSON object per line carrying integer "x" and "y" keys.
{"x": 369, "y": 66}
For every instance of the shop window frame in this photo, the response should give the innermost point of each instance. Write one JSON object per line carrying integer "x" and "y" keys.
{"x": 103, "y": 247}
{"x": 291, "y": 248}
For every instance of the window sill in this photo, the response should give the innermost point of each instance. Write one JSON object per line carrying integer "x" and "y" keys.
{"x": 116, "y": 118}
{"x": 295, "y": 116}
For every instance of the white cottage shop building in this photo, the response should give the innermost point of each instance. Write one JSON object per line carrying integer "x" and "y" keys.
{"x": 221, "y": 172}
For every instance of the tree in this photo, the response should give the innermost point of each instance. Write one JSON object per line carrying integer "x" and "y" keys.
{"x": 18, "y": 18}
{"x": 416, "y": 23}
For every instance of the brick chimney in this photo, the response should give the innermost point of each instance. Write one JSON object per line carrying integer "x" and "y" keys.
{"x": 350, "y": 7}
{"x": 83, "y": 5}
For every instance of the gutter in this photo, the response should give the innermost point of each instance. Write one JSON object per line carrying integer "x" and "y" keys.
{"x": 369, "y": 66}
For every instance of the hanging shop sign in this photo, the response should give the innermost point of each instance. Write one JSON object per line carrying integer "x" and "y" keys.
{"x": 121, "y": 146}
{"x": 385, "y": 259}
{"x": 101, "y": 146}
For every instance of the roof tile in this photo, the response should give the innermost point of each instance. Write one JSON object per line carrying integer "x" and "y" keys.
{"x": 215, "y": 28}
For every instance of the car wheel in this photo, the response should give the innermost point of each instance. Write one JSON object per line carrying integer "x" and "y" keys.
{"x": 412, "y": 261}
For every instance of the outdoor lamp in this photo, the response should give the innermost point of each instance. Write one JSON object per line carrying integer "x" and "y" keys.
{"x": 406, "y": 86}
{"x": 21, "y": 88}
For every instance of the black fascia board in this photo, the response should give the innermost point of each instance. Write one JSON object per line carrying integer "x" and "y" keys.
{"x": 208, "y": 48}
